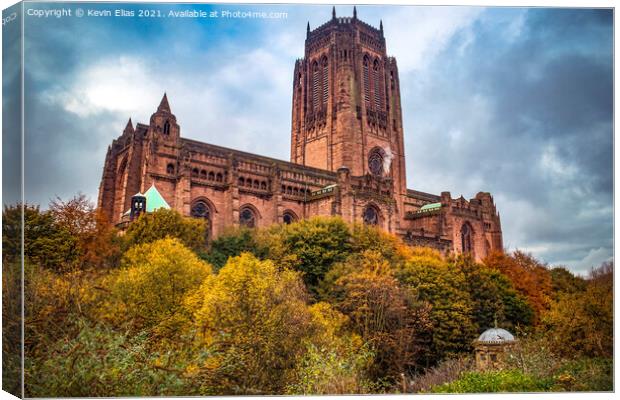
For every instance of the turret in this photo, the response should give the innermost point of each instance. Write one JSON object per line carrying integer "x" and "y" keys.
{"x": 138, "y": 206}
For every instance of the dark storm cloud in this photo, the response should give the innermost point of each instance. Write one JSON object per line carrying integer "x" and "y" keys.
{"x": 532, "y": 111}
{"x": 517, "y": 102}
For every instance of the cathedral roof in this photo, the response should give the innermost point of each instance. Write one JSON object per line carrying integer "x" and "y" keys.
{"x": 430, "y": 207}
{"x": 154, "y": 200}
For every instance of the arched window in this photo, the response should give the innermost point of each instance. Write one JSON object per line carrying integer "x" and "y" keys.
{"x": 263, "y": 185}
{"x": 219, "y": 177}
{"x": 167, "y": 128}
{"x": 375, "y": 162}
{"x": 241, "y": 181}
{"x": 256, "y": 184}
{"x": 289, "y": 217}
{"x": 195, "y": 172}
{"x": 371, "y": 216}
{"x": 170, "y": 168}
{"x": 315, "y": 84}
{"x": 466, "y": 239}
{"x": 325, "y": 80}
{"x": 203, "y": 174}
{"x": 247, "y": 217}
{"x": 200, "y": 209}
{"x": 377, "y": 84}
{"x": 211, "y": 175}
{"x": 366, "y": 81}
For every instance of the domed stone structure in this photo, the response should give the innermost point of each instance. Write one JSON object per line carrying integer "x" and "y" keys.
{"x": 491, "y": 347}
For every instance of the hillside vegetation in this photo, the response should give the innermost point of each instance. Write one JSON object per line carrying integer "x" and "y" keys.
{"x": 314, "y": 307}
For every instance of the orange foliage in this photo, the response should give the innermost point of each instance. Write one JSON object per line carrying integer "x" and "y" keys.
{"x": 529, "y": 277}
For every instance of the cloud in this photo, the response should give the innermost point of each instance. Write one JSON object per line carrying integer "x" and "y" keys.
{"x": 418, "y": 34}
{"x": 517, "y": 102}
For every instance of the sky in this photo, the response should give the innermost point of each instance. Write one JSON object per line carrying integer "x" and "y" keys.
{"x": 514, "y": 101}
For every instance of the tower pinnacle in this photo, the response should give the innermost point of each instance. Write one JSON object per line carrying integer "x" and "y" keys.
{"x": 354, "y": 12}
{"x": 334, "y": 12}
{"x": 129, "y": 127}
{"x": 163, "y": 105}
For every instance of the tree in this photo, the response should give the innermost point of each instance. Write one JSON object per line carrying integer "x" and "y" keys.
{"x": 528, "y": 276}
{"x": 368, "y": 237}
{"x": 153, "y": 281}
{"x": 564, "y": 282}
{"x": 97, "y": 242}
{"x": 162, "y": 223}
{"x": 441, "y": 285}
{"x": 385, "y": 314}
{"x": 253, "y": 320}
{"x": 45, "y": 243}
{"x": 494, "y": 298}
{"x": 310, "y": 246}
{"x": 582, "y": 322}
{"x": 232, "y": 243}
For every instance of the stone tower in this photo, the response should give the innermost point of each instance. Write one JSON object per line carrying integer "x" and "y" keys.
{"x": 346, "y": 103}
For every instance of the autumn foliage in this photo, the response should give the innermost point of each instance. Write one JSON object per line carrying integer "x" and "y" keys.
{"x": 314, "y": 307}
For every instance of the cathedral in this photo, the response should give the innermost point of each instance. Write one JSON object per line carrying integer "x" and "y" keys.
{"x": 347, "y": 158}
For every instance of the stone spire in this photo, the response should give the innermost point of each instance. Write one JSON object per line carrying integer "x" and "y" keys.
{"x": 129, "y": 127}
{"x": 308, "y": 29}
{"x": 163, "y": 105}
{"x": 334, "y": 12}
{"x": 354, "y": 12}
{"x": 381, "y": 25}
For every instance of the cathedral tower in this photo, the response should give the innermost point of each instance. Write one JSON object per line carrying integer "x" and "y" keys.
{"x": 346, "y": 102}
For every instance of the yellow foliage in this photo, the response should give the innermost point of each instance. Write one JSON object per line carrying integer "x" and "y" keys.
{"x": 154, "y": 280}
{"x": 254, "y": 320}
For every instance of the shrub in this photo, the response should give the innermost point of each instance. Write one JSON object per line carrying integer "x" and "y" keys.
{"x": 102, "y": 362}
{"x": 495, "y": 382}
{"x": 254, "y": 319}
{"x": 434, "y": 281}
{"x": 381, "y": 310}
{"x": 162, "y": 223}
{"x": 585, "y": 374}
{"x": 581, "y": 323}
{"x": 310, "y": 246}
{"x": 232, "y": 243}
{"x": 447, "y": 371}
{"x": 153, "y": 281}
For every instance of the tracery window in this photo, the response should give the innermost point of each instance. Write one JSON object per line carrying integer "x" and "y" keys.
{"x": 466, "y": 239}
{"x": 376, "y": 84}
{"x": 315, "y": 84}
{"x": 289, "y": 217}
{"x": 371, "y": 216}
{"x": 170, "y": 168}
{"x": 366, "y": 81}
{"x": 247, "y": 217}
{"x": 375, "y": 162}
{"x": 325, "y": 80}
{"x": 200, "y": 209}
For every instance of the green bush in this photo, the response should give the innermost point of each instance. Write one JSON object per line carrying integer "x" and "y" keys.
{"x": 102, "y": 362}
{"x": 162, "y": 223}
{"x": 232, "y": 243}
{"x": 585, "y": 374}
{"x": 310, "y": 246}
{"x": 494, "y": 382}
